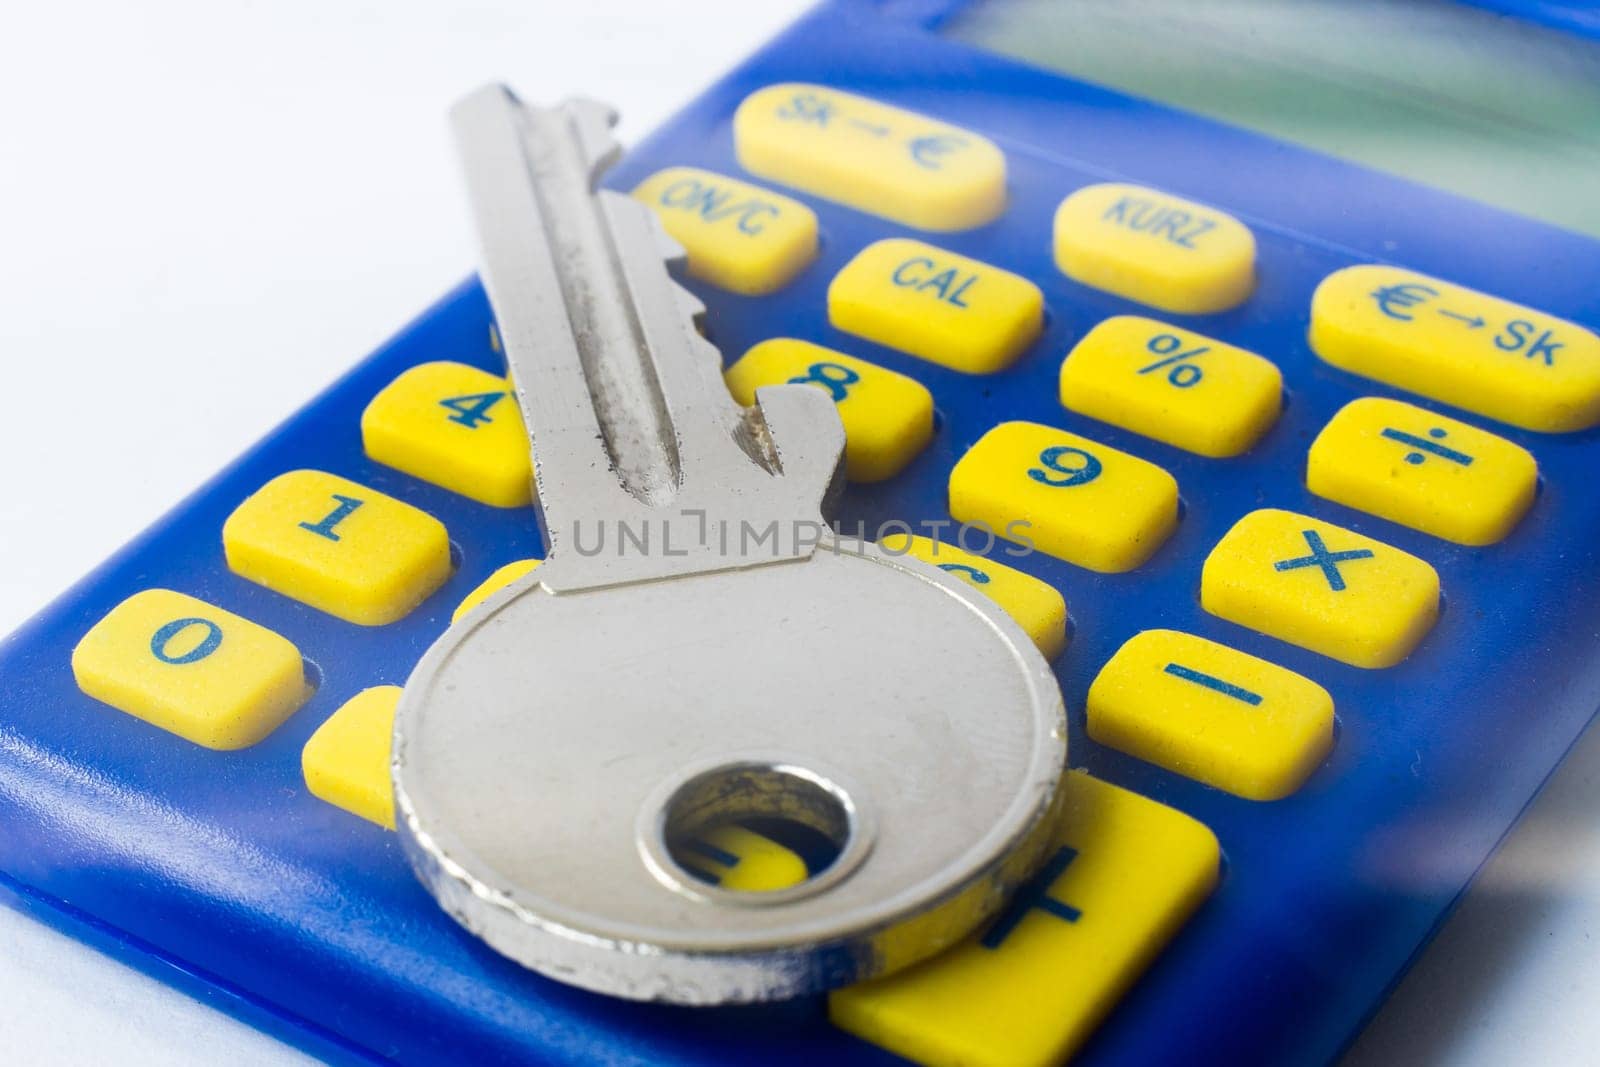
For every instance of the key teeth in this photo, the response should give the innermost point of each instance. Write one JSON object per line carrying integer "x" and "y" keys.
{"x": 593, "y": 119}
{"x": 804, "y": 429}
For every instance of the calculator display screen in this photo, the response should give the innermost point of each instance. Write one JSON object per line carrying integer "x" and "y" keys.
{"x": 1485, "y": 105}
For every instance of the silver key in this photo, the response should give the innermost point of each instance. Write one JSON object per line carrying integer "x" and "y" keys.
{"x": 555, "y": 748}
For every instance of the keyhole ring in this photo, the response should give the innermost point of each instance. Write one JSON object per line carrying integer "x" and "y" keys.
{"x": 726, "y": 789}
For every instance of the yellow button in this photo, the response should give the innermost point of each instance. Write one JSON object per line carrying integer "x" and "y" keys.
{"x": 1212, "y": 713}
{"x": 497, "y": 581}
{"x": 888, "y": 417}
{"x": 202, "y": 673}
{"x": 738, "y": 236}
{"x": 455, "y": 426}
{"x": 1067, "y": 495}
{"x": 1157, "y": 249}
{"x": 1423, "y": 470}
{"x": 898, "y": 164}
{"x": 1322, "y": 587}
{"x": 1173, "y": 385}
{"x": 946, "y": 308}
{"x": 1478, "y": 352}
{"x": 732, "y": 857}
{"x": 338, "y": 546}
{"x": 1125, "y": 876}
{"x": 346, "y": 762}
{"x": 1035, "y": 605}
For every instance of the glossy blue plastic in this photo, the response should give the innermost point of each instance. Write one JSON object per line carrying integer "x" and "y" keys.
{"x": 218, "y": 871}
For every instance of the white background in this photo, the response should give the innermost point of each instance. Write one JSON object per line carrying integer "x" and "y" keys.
{"x": 209, "y": 210}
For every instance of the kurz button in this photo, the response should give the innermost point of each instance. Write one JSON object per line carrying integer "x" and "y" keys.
{"x": 738, "y": 236}
{"x": 1155, "y": 248}
{"x": 1322, "y": 587}
{"x": 1124, "y": 876}
{"x": 1173, "y": 385}
{"x": 1422, "y": 470}
{"x": 1462, "y": 347}
{"x": 898, "y": 164}
{"x": 946, "y": 308}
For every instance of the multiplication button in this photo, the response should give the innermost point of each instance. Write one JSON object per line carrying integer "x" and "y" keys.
{"x": 1322, "y": 587}
{"x": 1462, "y": 347}
{"x": 1420, "y": 469}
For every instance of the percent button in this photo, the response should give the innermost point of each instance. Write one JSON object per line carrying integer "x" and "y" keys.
{"x": 1171, "y": 384}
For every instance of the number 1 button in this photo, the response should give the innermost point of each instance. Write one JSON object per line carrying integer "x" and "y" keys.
{"x": 338, "y": 546}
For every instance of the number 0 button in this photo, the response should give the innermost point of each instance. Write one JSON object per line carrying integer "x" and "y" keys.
{"x": 338, "y": 546}
{"x": 193, "y": 669}
{"x": 1070, "y": 496}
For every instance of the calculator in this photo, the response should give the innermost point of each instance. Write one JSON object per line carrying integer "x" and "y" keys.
{"x": 1245, "y": 355}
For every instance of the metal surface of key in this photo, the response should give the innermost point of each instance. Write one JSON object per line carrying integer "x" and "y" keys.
{"x": 553, "y": 745}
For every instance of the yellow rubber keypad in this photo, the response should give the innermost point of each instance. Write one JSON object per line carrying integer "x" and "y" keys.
{"x": 1155, "y": 248}
{"x": 1124, "y": 877}
{"x": 1066, "y": 495}
{"x": 888, "y": 417}
{"x": 1453, "y": 344}
{"x": 455, "y": 426}
{"x": 738, "y": 236}
{"x": 346, "y": 762}
{"x": 191, "y": 668}
{"x": 1322, "y": 587}
{"x": 1423, "y": 470}
{"x": 881, "y": 159}
{"x": 1173, "y": 385}
{"x": 1036, "y": 606}
{"x": 946, "y": 308}
{"x": 502, "y": 577}
{"x": 1213, "y": 713}
{"x": 338, "y": 546}
{"x": 733, "y": 857}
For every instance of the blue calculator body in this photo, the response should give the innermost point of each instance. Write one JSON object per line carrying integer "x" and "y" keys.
{"x": 219, "y": 872}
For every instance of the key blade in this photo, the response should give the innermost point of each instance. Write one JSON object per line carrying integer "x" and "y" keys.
{"x": 600, "y": 441}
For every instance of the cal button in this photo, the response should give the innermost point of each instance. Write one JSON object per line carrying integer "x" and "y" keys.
{"x": 346, "y": 762}
{"x": 1210, "y": 712}
{"x": 1074, "y": 498}
{"x": 888, "y": 418}
{"x": 738, "y": 236}
{"x": 1125, "y": 875}
{"x": 894, "y": 163}
{"x": 946, "y": 308}
{"x": 1322, "y": 587}
{"x": 1173, "y": 385}
{"x": 338, "y": 546}
{"x": 1157, "y": 249}
{"x": 1475, "y": 351}
{"x": 202, "y": 673}
{"x": 1423, "y": 470}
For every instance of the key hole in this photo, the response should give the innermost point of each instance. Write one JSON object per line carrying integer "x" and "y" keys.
{"x": 716, "y": 824}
